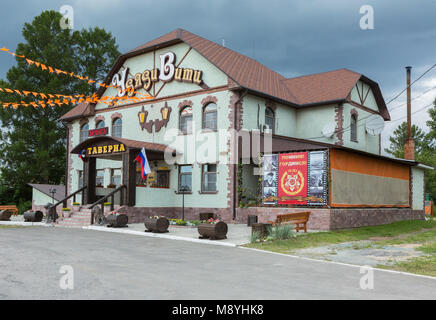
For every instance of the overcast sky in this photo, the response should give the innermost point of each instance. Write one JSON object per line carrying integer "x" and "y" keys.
{"x": 291, "y": 37}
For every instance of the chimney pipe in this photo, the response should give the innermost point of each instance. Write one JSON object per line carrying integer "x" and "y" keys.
{"x": 409, "y": 146}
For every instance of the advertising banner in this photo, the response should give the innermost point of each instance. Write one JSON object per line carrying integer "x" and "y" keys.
{"x": 317, "y": 190}
{"x": 270, "y": 177}
{"x": 292, "y": 182}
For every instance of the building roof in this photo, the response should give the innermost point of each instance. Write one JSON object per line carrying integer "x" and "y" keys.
{"x": 244, "y": 72}
{"x": 81, "y": 110}
{"x": 45, "y": 188}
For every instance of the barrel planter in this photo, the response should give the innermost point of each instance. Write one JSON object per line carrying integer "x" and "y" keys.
{"x": 213, "y": 231}
{"x": 33, "y": 216}
{"x": 159, "y": 225}
{"x": 5, "y": 215}
{"x": 117, "y": 220}
{"x": 261, "y": 228}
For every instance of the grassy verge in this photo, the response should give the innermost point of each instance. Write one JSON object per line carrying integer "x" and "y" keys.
{"x": 7, "y": 226}
{"x": 406, "y": 231}
{"x": 425, "y": 265}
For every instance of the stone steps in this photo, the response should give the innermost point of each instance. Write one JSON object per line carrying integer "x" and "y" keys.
{"x": 80, "y": 218}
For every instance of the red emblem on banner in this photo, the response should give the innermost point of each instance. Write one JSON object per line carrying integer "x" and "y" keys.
{"x": 292, "y": 178}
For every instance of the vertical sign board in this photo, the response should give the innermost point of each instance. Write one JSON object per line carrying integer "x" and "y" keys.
{"x": 270, "y": 177}
{"x": 292, "y": 183}
{"x": 317, "y": 166}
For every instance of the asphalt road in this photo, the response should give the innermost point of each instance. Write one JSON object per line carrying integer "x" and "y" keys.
{"x": 120, "y": 266}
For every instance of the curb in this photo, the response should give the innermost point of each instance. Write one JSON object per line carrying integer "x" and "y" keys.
{"x": 27, "y": 224}
{"x": 158, "y": 235}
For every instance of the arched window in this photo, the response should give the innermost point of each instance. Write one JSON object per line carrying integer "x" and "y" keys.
{"x": 99, "y": 124}
{"x": 117, "y": 127}
{"x": 269, "y": 119}
{"x": 210, "y": 116}
{"x": 84, "y": 131}
{"x": 353, "y": 128}
{"x": 186, "y": 120}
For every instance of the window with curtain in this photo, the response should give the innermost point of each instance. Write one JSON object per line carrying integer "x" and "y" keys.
{"x": 209, "y": 178}
{"x": 117, "y": 127}
{"x": 210, "y": 116}
{"x": 116, "y": 177}
{"x": 269, "y": 119}
{"x": 186, "y": 120}
{"x": 80, "y": 176}
{"x": 84, "y": 131}
{"x": 99, "y": 180}
{"x": 353, "y": 128}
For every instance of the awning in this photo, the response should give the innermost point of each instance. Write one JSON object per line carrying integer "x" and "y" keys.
{"x": 109, "y": 146}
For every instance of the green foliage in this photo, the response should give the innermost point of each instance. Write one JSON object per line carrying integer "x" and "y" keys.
{"x": 76, "y": 203}
{"x": 32, "y": 140}
{"x": 24, "y": 206}
{"x": 255, "y": 236}
{"x": 282, "y": 232}
{"x": 66, "y": 209}
{"x": 425, "y": 148}
{"x": 107, "y": 203}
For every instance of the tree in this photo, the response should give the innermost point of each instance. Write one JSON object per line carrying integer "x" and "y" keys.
{"x": 33, "y": 141}
{"x": 399, "y": 139}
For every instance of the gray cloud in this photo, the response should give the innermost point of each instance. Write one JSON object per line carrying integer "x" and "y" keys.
{"x": 291, "y": 37}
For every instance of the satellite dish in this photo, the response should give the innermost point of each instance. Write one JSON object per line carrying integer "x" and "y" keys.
{"x": 329, "y": 130}
{"x": 375, "y": 124}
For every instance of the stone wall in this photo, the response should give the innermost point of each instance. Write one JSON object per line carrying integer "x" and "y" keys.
{"x": 138, "y": 214}
{"x": 329, "y": 219}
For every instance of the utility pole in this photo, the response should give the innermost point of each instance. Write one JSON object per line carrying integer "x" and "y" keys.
{"x": 409, "y": 146}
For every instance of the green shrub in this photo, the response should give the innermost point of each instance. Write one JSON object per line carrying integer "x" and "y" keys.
{"x": 107, "y": 203}
{"x": 195, "y": 222}
{"x": 24, "y": 206}
{"x": 66, "y": 209}
{"x": 282, "y": 232}
{"x": 180, "y": 222}
{"x": 255, "y": 236}
{"x": 76, "y": 203}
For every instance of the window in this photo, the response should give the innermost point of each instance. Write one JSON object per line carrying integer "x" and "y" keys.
{"x": 210, "y": 116}
{"x": 84, "y": 131}
{"x": 209, "y": 178}
{"x": 269, "y": 119}
{"x": 185, "y": 178}
{"x": 139, "y": 181}
{"x": 186, "y": 120}
{"x": 116, "y": 177}
{"x": 99, "y": 124}
{"x": 80, "y": 177}
{"x": 99, "y": 180}
{"x": 353, "y": 128}
{"x": 117, "y": 127}
{"x": 162, "y": 179}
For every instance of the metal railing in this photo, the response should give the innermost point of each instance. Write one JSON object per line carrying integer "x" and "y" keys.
{"x": 51, "y": 214}
{"x": 111, "y": 195}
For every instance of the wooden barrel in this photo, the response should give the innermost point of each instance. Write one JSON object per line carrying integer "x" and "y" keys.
{"x": 5, "y": 215}
{"x": 261, "y": 228}
{"x": 157, "y": 225}
{"x": 213, "y": 231}
{"x": 117, "y": 221}
{"x": 205, "y": 215}
{"x": 33, "y": 216}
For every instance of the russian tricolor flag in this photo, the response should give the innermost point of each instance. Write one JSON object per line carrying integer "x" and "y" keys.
{"x": 142, "y": 159}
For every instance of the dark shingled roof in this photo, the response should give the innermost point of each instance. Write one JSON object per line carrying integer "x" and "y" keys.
{"x": 45, "y": 188}
{"x": 333, "y": 86}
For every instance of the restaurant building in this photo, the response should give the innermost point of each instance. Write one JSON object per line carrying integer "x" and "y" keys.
{"x": 320, "y": 155}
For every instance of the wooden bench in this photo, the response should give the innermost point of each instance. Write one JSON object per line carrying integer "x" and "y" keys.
{"x": 297, "y": 218}
{"x": 12, "y": 208}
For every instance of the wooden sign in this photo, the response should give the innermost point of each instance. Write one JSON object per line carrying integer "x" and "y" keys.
{"x": 157, "y": 123}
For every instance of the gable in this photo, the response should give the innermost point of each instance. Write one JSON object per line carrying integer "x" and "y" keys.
{"x": 187, "y": 62}
{"x": 362, "y": 94}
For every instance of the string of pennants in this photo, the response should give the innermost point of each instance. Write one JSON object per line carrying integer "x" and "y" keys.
{"x": 60, "y": 99}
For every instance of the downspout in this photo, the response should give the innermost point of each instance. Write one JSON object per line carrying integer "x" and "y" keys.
{"x": 66, "y": 157}
{"x": 236, "y": 166}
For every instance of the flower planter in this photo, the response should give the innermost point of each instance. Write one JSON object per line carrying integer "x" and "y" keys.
{"x": 33, "y": 216}
{"x": 117, "y": 220}
{"x": 213, "y": 231}
{"x": 159, "y": 225}
{"x": 5, "y": 215}
{"x": 76, "y": 208}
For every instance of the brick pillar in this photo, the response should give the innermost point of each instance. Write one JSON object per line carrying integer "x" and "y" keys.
{"x": 409, "y": 149}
